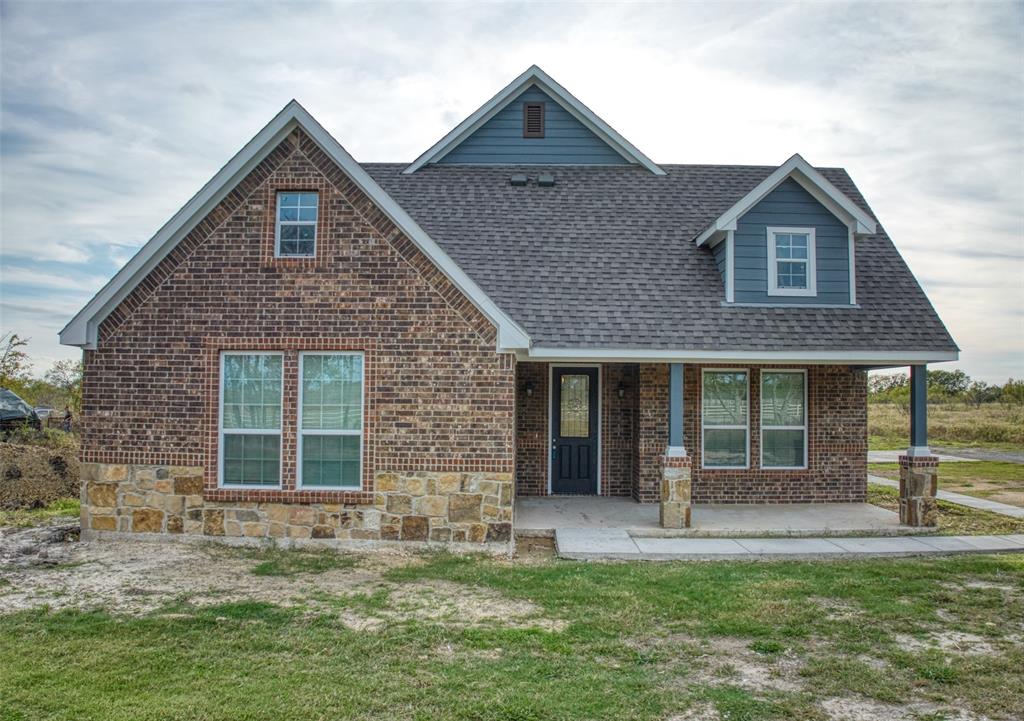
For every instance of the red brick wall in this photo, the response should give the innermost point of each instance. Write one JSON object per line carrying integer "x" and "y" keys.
{"x": 652, "y": 431}
{"x": 438, "y": 395}
{"x": 836, "y": 450}
{"x": 532, "y": 442}
{"x": 618, "y": 424}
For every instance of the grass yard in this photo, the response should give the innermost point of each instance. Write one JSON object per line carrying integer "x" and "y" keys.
{"x": 954, "y": 520}
{"x": 950, "y": 425}
{"x": 1003, "y": 482}
{"x": 217, "y": 633}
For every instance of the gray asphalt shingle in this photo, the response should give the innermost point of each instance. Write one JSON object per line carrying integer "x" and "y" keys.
{"x": 606, "y": 259}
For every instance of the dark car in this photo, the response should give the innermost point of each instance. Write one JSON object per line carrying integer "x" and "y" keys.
{"x": 16, "y": 413}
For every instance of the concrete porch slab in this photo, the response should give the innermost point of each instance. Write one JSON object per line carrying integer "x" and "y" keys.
{"x": 540, "y": 516}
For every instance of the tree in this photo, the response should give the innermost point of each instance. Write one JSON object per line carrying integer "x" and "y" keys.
{"x": 981, "y": 392}
{"x": 1013, "y": 393}
{"x": 14, "y": 363}
{"x": 949, "y": 384}
{"x": 66, "y": 375}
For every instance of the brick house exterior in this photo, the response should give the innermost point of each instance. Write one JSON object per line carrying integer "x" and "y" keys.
{"x": 449, "y": 283}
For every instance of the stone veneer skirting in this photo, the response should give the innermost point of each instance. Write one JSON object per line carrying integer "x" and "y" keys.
{"x": 429, "y": 507}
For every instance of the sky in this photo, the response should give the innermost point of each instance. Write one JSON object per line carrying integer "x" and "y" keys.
{"x": 112, "y": 115}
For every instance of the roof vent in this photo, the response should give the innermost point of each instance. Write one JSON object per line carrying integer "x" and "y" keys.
{"x": 533, "y": 120}
{"x": 518, "y": 180}
{"x": 545, "y": 181}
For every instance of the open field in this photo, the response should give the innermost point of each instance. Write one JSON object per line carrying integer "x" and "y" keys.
{"x": 949, "y": 425}
{"x": 166, "y": 631}
{"x": 1002, "y": 482}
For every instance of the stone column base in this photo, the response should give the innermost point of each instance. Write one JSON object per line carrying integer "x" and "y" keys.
{"x": 918, "y": 483}
{"x": 675, "y": 491}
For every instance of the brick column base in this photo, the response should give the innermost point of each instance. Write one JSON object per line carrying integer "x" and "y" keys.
{"x": 918, "y": 483}
{"x": 676, "y": 477}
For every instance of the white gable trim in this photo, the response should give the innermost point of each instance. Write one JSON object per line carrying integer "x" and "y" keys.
{"x": 83, "y": 328}
{"x": 534, "y": 76}
{"x": 812, "y": 181}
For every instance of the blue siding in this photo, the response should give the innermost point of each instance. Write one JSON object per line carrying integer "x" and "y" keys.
{"x": 719, "y": 251}
{"x": 566, "y": 140}
{"x": 790, "y": 204}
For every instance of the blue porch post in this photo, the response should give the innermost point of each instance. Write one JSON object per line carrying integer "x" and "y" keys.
{"x": 919, "y": 469}
{"x": 676, "y": 446}
{"x": 919, "y": 411}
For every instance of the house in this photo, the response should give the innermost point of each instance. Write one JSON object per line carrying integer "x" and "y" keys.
{"x": 319, "y": 348}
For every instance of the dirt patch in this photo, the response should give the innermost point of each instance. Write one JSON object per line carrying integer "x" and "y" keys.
{"x": 861, "y": 709}
{"x": 836, "y": 609}
{"x": 964, "y": 644}
{"x": 136, "y": 577}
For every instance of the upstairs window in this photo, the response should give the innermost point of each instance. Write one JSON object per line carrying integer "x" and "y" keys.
{"x": 533, "y": 120}
{"x": 295, "y": 234}
{"x": 791, "y": 266}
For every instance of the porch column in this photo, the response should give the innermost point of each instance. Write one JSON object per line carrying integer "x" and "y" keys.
{"x": 918, "y": 468}
{"x": 676, "y": 470}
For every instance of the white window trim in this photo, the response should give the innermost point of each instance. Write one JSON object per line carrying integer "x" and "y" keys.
{"x": 703, "y": 426}
{"x": 773, "y": 268}
{"x": 803, "y": 428}
{"x": 221, "y": 431}
{"x": 278, "y": 221}
{"x": 299, "y": 432}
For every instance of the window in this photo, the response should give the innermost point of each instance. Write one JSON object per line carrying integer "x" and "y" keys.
{"x": 295, "y": 234}
{"x": 791, "y": 267}
{"x": 783, "y": 419}
{"x": 724, "y": 418}
{"x": 250, "y": 419}
{"x": 330, "y": 420}
{"x": 533, "y": 120}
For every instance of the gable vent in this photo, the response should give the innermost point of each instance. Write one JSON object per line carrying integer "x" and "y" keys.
{"x": 533, "y": 120}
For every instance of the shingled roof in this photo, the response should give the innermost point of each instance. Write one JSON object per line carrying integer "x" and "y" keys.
{"x": 605, "y": 259}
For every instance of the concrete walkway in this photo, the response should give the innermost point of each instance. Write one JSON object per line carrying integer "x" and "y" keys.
{"x": 616, "y": 543}
{"x": 894, "y": 457}
{"x": 960, "y": 499}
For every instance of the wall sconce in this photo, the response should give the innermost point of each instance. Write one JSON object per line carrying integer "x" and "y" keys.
{"x": 528, "y": 387}
{"x": 621, "y": 389}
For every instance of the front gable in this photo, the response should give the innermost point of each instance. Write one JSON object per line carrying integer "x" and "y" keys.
{"x": 564, "y": 139}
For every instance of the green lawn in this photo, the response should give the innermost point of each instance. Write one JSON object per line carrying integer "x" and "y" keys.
{"x": 770, "y": 640}
{"x": 22, "y": 518}
{"x": 1003, "y": 482}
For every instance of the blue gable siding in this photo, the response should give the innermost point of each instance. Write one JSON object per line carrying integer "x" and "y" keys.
{"x": 719, "y": 251}
{"x": 790, "y": 204}
{"x": 566, "y": 140}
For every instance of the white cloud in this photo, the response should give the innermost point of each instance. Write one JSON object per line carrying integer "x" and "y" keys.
{"x": 113, "y": 115}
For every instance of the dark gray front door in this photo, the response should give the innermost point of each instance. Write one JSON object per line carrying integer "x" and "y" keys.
{"x": 574, "y": 430}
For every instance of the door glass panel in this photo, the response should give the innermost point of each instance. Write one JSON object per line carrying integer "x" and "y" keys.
{"x": 575, "y": 406}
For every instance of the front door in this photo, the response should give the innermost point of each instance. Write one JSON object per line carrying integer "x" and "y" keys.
{"x": 574, "y": 430}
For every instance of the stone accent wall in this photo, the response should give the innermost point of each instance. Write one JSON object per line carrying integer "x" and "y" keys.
{"x": 837, "y": 443}
{"x": 424, "y": 506}
{"x": 919, "y": 478}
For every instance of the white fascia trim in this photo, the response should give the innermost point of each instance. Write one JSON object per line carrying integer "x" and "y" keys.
{"x": 83, "y": 328}
{"x": 811, "y": 180}
{"x": 534, "y": 76}
{"x": 633, "y": 355}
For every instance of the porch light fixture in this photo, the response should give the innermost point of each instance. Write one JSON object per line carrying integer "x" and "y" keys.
{"x": 528, "y": 387}
{"x": 621, "y": 389}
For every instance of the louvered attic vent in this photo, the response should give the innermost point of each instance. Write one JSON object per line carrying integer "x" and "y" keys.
{"x": 533, "y": 120}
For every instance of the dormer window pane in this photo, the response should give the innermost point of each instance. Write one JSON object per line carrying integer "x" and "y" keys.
{"x": 297, "y": 214}
{"x": 791, "y": 269}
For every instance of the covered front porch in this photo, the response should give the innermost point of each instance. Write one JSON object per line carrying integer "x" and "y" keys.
{"x": 723, "y": 448}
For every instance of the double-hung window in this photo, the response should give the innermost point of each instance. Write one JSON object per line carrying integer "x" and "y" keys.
{"x": 791, "y": 262}
{"x": 295, "y": 229}
{"x": 783, "y": 419}
{"x": 250, "y": 419}
{"x": 330, "y": 420}
{"x": 725, "y": 418}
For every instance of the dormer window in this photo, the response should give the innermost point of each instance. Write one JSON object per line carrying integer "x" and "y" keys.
{"x": 533, "y": 120}
{"x": 295, "y": 234}
{"x": 791, "y": 266}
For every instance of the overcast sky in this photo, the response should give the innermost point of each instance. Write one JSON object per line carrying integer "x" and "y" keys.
{"x": 114, "y": 114}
